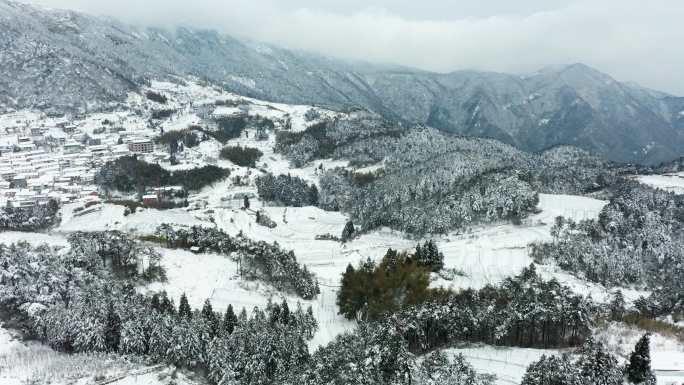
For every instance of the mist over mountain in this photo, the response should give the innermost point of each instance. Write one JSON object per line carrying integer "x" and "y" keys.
{"x": 67, "y": 61}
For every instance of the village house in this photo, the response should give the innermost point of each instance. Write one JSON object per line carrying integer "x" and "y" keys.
{"x": 141, "y": 146}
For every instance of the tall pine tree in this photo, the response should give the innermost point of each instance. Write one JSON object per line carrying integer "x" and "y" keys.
{"x": 112, "y": 329}
{"x": 184, "y": 310}
{"x": 210, "y": 318}
{"x": 639, "y": 367}
{"x": 230, "y": 320}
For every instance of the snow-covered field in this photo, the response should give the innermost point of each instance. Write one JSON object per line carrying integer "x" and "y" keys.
{"x": 508, "y": 364}
{"x": 669, "y": 182}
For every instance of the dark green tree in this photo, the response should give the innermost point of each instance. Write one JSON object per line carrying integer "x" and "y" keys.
{"x": 210, "y": 318}
{"x": 112, "y": 329}
{"x": 348, "y": 231}
{"x": 166, "y": 305}
{"x": 230, "y": 320}
{"x": 639, "y": 367}
{"x": 184, "y": 310}
{"x": 155, "y": 302}
{"x": 285, "y": 313}
{"x": 617, "y": 306}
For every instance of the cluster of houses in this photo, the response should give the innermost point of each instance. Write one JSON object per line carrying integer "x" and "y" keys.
{"x": 59, "y": 160}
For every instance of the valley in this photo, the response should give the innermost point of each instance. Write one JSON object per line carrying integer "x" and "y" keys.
{"x": 483, "y": 254}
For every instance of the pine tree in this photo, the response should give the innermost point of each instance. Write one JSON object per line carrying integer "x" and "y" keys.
{"x": 184, "y": 310}
{"x": 166, "y": 305}
{"x": 155, "y": 302}
{"x": 617, "y": 306}
{"x": 210, "y": 318}
{"x": 348, "y": 231}
{"x": 285, "y": 313}
{"x": 246, "y": 202}
{"x": 275, "y": 313}
{"x": 639, "y": 367}
{"x": 598, "y": 366}
{"x": 553, "y": 370}
{"x": 112, "y": 329}
{"x": 229, "y": 320}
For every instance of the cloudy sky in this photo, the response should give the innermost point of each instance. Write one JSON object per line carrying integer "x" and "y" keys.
{"x": 633, "y": 40}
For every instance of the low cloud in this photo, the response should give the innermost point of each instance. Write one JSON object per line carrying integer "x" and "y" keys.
{"x": 631, "y": 40}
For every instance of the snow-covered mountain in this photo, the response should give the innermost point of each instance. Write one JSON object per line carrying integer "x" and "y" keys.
{"x": 57, "y": 60}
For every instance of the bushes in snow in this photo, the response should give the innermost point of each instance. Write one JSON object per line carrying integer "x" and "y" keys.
{"x": 163, "y": 113}
{"x": 287, "y": 190}
{"x": 258, "y": 259}
{"x": 263, "y": 219}
{"x": 156, "y": 97}
{"x": 241, "y": 156}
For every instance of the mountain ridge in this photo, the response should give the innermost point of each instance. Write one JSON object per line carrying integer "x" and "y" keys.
{"x": 69, "y": 61}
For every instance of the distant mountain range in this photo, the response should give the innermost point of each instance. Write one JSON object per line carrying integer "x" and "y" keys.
{"x": 67, "y": 61}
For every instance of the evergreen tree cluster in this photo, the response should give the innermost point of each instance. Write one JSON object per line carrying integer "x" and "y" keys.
{"x": 524, "y": 311}
{"x": 241, "y": 156}
{"x": 570, "y": 170}
{"x": 128, "y": 174}
{"x": 257, "y": 259}
{"x": 377, "y": 353}
{"x": 429, "y": 256}
{"x": 39, "y": 277}
{"x": 635, "y": 241}
{"x": 430, "y": 205}
{"x": 164, "y": 113}
{"x": 74, "y": 303}
{"x": 117, "y": 251}
{"x": 262, "y": 348}
{"x": 363, "y": 138}
{"x": 228, "y": 127}
{"x": 372, "y": 291}
{"x": 287, "y": 190}
{"x": 178, "y": 139}
{"x": 156, "y": 97}
{"x": 433, "y": 182}
{"x": 231, "y": 127}
{"x": 33, "y": 218}
{"x": 593, "y": 364}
